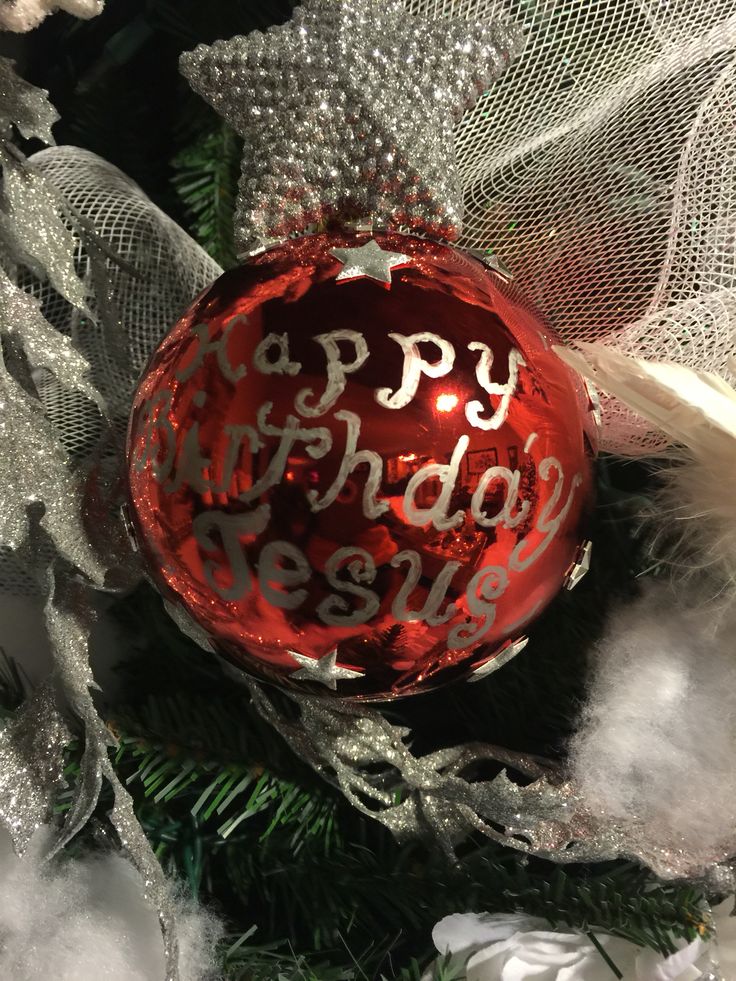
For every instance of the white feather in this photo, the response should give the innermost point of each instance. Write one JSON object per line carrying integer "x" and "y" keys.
{"x": 695, "y": 408}
{"x": 697, "y": 411}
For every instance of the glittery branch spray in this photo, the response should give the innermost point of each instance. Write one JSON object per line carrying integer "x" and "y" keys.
{"x": 347, "y": 112}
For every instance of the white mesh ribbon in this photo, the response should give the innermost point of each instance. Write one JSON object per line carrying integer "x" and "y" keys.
{"x": 163, "y": 271}
{"x": 601, "y": 167}
{"x": 133, "y": 302}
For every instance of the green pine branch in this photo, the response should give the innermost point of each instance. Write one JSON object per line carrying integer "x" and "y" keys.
{"x": 205, "y": 179}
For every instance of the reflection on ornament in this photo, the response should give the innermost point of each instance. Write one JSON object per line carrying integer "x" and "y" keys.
{"x": 447, "y": 401}
{"x": 360, "y": 488}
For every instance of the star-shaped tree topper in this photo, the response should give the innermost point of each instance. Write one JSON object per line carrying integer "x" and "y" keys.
{"x": 347, "y": 111}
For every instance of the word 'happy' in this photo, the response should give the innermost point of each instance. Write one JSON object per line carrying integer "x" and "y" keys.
{"x": 338, "y": 369}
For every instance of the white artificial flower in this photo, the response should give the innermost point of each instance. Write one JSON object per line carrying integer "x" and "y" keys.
{"x": 514, "y": 947}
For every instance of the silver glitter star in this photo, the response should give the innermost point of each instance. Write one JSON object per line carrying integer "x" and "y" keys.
{"x": 580, "y": 566}
{"x": 347, "y": 111}
{"x": 322, "y": 669}
{"x": 369, "y": 261}
{"x": 498, "y": 659}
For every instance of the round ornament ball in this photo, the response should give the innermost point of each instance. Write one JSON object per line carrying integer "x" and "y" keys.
{"x": 357, "y": 464}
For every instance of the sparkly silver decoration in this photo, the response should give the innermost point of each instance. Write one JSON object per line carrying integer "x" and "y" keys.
{"x": 720, "y": 880}
{"x": 580, "y": 566}
{"x": 31, "y": 765}
{"x": 21, "y": 319}
{"x": 69, "y": 620}
{"x": 435, "y": 797}
{"x": 498, "y": 659}
{"x": 35, "y": 471}
{"x": 368, "y": 261}
{"x": 38, "y": 236}
{"x": 493, "y": 262}
{"x": 323, "y": 670}
{"x": 347, "y": 111}
{"x": 23, "y": 106}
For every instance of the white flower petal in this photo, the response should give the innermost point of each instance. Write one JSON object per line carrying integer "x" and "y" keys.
{"x": 546, "y": 955}
{"x": 464, "y": 932}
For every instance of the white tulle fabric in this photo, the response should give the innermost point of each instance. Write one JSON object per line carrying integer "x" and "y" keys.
{"x": 162, "y": 270}
{"x": 602, "y": 168}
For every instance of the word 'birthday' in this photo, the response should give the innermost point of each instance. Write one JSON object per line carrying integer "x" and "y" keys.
{"x": 272, "y": 357}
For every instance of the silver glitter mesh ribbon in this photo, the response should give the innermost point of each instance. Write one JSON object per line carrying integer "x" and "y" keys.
{"x": 347, "y": 111}
{"x": 39, "y": 231}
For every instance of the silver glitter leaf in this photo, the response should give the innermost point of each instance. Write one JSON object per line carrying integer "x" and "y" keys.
{"x": 31, "y": 765}
{"x": 69, "y": 621}
{"x": 45, "y": 347}
{"x": 347, "y": 111}
{"x": 38, "y": 230}
{"x": 438, "y": 798}
{"x": 24, "y": 106}
{"x": 34, "y": 469}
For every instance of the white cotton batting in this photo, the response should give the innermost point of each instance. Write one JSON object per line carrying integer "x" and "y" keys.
{"x": 657, "y": 738}
{"x": 85, "y": 919}
{"x": 24, "y": 15}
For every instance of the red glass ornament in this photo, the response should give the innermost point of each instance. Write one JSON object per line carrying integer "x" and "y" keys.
{"x": 358, "y": 488}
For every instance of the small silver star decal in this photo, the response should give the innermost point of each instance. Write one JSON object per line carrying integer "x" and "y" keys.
{"x": 322, "y": 669}
{"x": 369, "y": 261}
{"x": 498, "y": 659}
{"x": 580, "y": 566}
{"x": 494, "y": 262}
{"x": 595, "y": 402}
